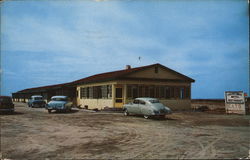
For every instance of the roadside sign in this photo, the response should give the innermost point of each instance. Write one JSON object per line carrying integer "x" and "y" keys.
{"x": 245, "y": 94}
{"x": 235, "y": 102}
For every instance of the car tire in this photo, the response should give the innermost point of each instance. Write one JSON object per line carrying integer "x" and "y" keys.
{"x": 49, "y": 110}
{"x": 146, "y": 116}
{"x": 126, "y": 112}
{"x": 163, "y": 117}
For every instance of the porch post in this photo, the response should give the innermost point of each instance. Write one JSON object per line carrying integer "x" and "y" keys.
{"x": 125, "y": 93}
{"x": 113, "y": 94}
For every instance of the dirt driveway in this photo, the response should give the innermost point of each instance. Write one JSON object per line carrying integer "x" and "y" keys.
{"x": 32, "y": 133}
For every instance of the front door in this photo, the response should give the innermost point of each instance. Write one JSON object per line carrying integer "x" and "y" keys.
{"x": 118, "y": 97}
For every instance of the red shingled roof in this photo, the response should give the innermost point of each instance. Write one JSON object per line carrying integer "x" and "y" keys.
{"x": 109, "y": 75}
{"x": 104, "y": 77}
{"x": 46, "y": 87}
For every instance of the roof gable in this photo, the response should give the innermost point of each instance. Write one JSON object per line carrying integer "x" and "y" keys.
{"x": 159, "y": 71}
{"x": 109, "y": 75}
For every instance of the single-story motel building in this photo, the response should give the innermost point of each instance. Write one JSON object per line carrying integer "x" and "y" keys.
{"x": 113, "y": 89}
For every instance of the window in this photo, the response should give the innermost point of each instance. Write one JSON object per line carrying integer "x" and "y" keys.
{"x": 167, "y": 92}
{"x": 154, "y": 101}
{"x": 99, "y": 92}
{"x": 142, "y": 102}
{"x": 141, "y": 91}
{"x": 162, "y": 95}
{"x": 187, "y": 92}
{"x": 118, "y": 100}
{"x": 118, "y": 93}
{"x": 156, "y": 69}
{"x": 152, "y": 92}
{"x": 176, "y": 92}
{"x": 135, "y": 92}
{"x": 59, "y": 99}
{"x": 96, "y": 92}
{"x": 136, "y": 101}
{"x": 171, "y": 92}
{"x": 90, "y": 93}
{"x": 132, "y": 91}
{"x": 86, "y": 92}
{"x": 81, "y": 92}
{"x": 38, "y": 98}
{"x": 182, "y": 93}
{"x": 104, "y": 90}
{"x": 157, "y": 92}
{"x": 129, "y": 91}
{"x": 146, "y": 91}
{"x": 5, "y": 99}
{"x": 109, "y": 92}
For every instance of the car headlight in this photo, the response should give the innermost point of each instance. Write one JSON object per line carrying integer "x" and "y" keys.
{"x": 156, "y": 112}
{"x": 169, "y": 111}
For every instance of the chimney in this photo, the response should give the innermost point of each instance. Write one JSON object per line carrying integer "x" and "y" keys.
{"x": 128, "y": 67}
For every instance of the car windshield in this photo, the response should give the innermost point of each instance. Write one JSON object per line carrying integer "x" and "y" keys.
{"x": 38, "y": 98}
{"x": 5, "y": 100}
{"x": 59, "y": 99}
{"x": 154, "y": 101}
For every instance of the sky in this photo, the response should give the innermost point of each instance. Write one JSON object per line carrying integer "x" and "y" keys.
{"x": 52, "y": 42}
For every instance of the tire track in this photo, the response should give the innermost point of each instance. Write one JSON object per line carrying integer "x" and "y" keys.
{"x": 205, "y": 149}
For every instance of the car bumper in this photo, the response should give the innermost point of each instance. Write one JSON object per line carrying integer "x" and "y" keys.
{"x": 38, "y": 105}
{"x": 159, "y": 115}
{"x": 57, "y": 108}
{"x": 7, "y": 110}
{"x": 162, "y": 114}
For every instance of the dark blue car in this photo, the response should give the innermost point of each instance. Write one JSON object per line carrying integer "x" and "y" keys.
{"x": 36, "y": 101}
{"x": 6, "y": 104}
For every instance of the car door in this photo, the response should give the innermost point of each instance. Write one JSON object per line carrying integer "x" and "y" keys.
{"x": 142, "y": 107}
{"x": 29, "y": 101}
{"x": 134, "y": 107}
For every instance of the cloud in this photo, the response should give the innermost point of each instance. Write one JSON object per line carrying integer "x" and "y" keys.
{"x": 65, "y": 41}
{"x": 90, "y": 40}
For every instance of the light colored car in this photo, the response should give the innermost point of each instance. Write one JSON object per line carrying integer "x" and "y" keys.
{"x": 59, "y": 103}
{"x": 148, "y": 107}
{"x": 36, "y": 101}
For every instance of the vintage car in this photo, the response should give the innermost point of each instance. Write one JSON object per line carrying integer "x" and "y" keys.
{"x": 59, "y": 103}
{"x": 6, "y": 104}
{"x": 148, "y": 107}
{"x": 36, "y": 101}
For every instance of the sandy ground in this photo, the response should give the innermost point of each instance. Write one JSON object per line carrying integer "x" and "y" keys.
{"x": 32, "y": 133}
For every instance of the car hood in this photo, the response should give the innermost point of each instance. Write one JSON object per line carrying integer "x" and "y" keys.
{"x": 159, "y": 106}
{"x": 57, "y": 102}
{"x": 38, "y": 100}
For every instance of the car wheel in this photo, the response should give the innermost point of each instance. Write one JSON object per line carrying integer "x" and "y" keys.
{"x": 146, "y": 116}
{"x": 162, "y": 117}
{"x": 126, "y": 112}
{"x": 49, "y": 110}
{"x": 11, "y": 112}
